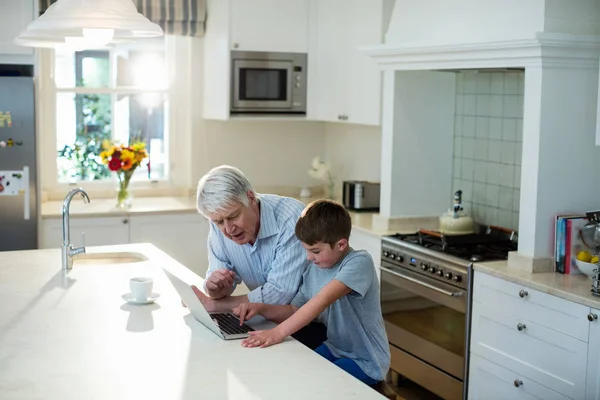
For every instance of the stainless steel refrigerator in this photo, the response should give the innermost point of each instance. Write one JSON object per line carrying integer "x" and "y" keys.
{"x": 18, "y": 178}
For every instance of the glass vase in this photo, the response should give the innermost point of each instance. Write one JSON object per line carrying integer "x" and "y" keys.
{"x": 124, "y": 197}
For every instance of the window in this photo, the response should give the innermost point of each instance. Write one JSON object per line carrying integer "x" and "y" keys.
{"x": 119, "y": 95}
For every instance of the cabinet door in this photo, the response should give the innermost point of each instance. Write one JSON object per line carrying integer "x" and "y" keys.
{"x": 14, "y": 17}
{"x": 592, "y": 386}
{"x": 489, "y": 381}
{"x": 101, "y": 231}
{"x": 270, "y": 25}
{"x": 333, "y": 62}
{"x": 181, "y": 236}
{"x": 360, "y": 240}
{"x": 364, "y": 86}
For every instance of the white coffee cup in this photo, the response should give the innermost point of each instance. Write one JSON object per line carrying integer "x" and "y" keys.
{"x": 141, "y": 287}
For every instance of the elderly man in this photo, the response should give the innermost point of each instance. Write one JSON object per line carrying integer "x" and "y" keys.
{"x": 251, "y": 240}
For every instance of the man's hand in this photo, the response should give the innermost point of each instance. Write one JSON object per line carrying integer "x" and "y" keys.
{"x": 220, "y": 283}
{"x": 245, "y": 311}
{"x": 263, "y": 338}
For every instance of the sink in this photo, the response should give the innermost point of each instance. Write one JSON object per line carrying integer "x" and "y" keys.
{"x": 108, "y": 258}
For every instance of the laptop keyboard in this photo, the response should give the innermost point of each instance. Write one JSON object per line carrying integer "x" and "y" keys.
{"x": 230, "y": 324}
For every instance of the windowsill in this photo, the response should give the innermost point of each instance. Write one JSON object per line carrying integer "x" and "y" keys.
{"x": 96, "y": 191}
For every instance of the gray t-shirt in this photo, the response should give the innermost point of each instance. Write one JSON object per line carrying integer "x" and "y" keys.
{"x": 355, "y": 328}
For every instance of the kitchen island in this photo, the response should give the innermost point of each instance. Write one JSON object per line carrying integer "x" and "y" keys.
{"x": 72, "y": 336}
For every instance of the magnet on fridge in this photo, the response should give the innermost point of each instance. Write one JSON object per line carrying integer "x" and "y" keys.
{"x": 10, "y": 143}
{"x": 1, "y": 188}
{"x": 2, "y": 144}
{"x": 19, "y": 142}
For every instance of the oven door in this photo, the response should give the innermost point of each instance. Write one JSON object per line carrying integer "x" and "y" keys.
{"x": 426, "y": 324}
{"x": 262, "y": 85}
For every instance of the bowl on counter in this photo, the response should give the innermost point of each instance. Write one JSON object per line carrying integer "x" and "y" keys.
{"x": 587, "y": 268}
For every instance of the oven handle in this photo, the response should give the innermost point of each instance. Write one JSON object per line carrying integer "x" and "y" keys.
{"x": 424, "y": 284}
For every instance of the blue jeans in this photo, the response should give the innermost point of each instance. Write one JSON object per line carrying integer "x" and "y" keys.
{"x": 346, "y": 364}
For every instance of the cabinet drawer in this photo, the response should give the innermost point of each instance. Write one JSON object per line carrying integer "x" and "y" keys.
{"x": 547, "y": 310}
{"x": 489, "y": 381}
{"x": 551, "y": 358}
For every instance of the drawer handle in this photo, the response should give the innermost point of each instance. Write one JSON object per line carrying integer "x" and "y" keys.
{"x": 523, "y": 293}
{"x": 592, "y": 317}
{"x": 521, "y": 326}
{"x": 518, "y": 383}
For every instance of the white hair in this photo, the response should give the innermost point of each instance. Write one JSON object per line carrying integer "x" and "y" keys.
{"x": 222, "y": 187}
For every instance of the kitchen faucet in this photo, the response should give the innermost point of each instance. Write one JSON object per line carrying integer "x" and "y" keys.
{"x": 68, "y": 250}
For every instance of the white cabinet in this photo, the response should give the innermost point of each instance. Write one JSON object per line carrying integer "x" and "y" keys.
{"x": 592, "y": 385}
{"x": 101, "y": 231}
{"x": 360, "y": 240}
{"x": 14, "y": 17}
{"x": 349, "y": 83}
{"x": 182, "y": 236}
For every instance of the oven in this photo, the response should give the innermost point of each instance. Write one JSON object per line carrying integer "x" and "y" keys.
{"x": 268, "y": 82}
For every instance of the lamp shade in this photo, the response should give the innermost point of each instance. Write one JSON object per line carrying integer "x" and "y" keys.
{"x": 88, "y": 24}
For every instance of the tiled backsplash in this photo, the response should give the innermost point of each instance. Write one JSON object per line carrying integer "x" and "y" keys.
{"x": 487, "y": 145}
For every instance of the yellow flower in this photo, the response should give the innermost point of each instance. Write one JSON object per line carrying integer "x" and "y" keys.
{"x": 105, "y": 144}
{"x": 127, "y": 155}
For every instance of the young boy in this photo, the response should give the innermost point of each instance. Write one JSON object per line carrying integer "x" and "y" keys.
{"x": 341, "y": 288}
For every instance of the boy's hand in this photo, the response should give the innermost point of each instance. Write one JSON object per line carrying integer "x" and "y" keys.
{"x": 263, "y": 338}
{"x": 245, "y": 311}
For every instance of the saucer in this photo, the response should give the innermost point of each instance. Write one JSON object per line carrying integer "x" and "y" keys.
{"x": 128, "y": 297}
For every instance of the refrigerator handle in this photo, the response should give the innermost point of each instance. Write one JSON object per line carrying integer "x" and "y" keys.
{"x": 25, "y": 187}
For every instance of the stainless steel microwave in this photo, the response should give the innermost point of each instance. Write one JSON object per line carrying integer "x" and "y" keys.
{"x": 267, "y": 82}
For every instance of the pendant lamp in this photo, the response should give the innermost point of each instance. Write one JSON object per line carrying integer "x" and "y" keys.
{"x": 84, "y": 24}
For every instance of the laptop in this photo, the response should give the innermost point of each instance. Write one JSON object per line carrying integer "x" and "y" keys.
{"x": 225, "y": 325}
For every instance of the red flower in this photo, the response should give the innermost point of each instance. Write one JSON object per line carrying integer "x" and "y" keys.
{"x": 114, "y": 164}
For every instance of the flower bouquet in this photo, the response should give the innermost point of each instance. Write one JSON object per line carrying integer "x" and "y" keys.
{"x": 124, "y": 160}
{"x": 322, "y": 171}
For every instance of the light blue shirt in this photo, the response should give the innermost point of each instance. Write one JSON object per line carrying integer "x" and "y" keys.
{"x": 272, "y": 267}
{"x": 355, "y": 327}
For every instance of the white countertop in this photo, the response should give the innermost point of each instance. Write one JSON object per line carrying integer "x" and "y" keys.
{"x": 570, "y": 287}
{"x": 72, "y": 336}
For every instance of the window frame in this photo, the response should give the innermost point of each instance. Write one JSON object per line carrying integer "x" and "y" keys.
{"x": 178, "y": 122}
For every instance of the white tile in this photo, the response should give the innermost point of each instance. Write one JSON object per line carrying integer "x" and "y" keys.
{"x": 495, "y": 131}
{"x": 491, "y": 216}
{"x": 459, "y": 84}
{"x": 493, "y": 173}
{"x": 505, "y": 199}
{"x": 496, "y": 105}
{"x": 479, "y": 193}
{"x": 456, "y": 172}
{"x": 517, "y": 182}
{"x": 482, "y": 126}
{"x": 519, "y": 130}
{"x": 494, "y": 150}
{"x": 516, "y": 200}
{"x": 521, "y": 83}
{"x": 458, "y": 125}
{"x": 520, "y": 109}
{"x": 497, "y": 84}
{"x": 456, "y": 184}
{"x": 481, "y": 149}
{"x": 457, "y": 147}
{"x": 509, "y": 129}
{"x": 508, "y": 153}
{"x": 483, "y": 104}
{"x": 511, "y": 83}
{"x": 507, "y": 175}
{"x": 468, "y": 148}
{"x": 469, "y": 126}
{"x": 470, "y": 83}
{"x": 518, "y": 153}
{"x": 460, "y": 103}
{"x": 492, "y": 194}
{"x": 467, "y": 170}
{"x": 505, "y": 218}
{"x": 467, "y": 188}
{"x": 480, "y": 171}
{"x": 470, "y": 106}
{"x": 477, "y": 213}
{"x": 483, "y": 82}
{"x": 511, "y": 107}
{"x": 515, "y": 223}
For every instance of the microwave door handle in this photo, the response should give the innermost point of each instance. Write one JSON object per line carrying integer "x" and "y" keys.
{"x": 424, "y": 284}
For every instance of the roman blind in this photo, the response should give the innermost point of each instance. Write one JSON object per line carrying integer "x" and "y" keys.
{"x": 175, "y": 17}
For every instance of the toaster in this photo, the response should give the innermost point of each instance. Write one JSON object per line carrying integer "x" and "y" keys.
{"x": 361, "y": 195}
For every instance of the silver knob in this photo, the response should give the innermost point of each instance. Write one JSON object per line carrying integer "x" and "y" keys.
{"x": 386, "y": 254}
{"x": 521, "y": 326}
{"x": 518, "y": 383}
{"x": 393, "y": 256}
{"x": 125, "y": 221}
{"x": 448, "y": 275}
{"x": 236, "y": 45}
{"x": 440, "y": 272}
{"x": 523, "y": 293}
{"x": 592, "y": 317}
{"x": 457, "y": 278}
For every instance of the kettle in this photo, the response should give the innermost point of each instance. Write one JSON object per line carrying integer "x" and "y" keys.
{"x": 456, "y": 221}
